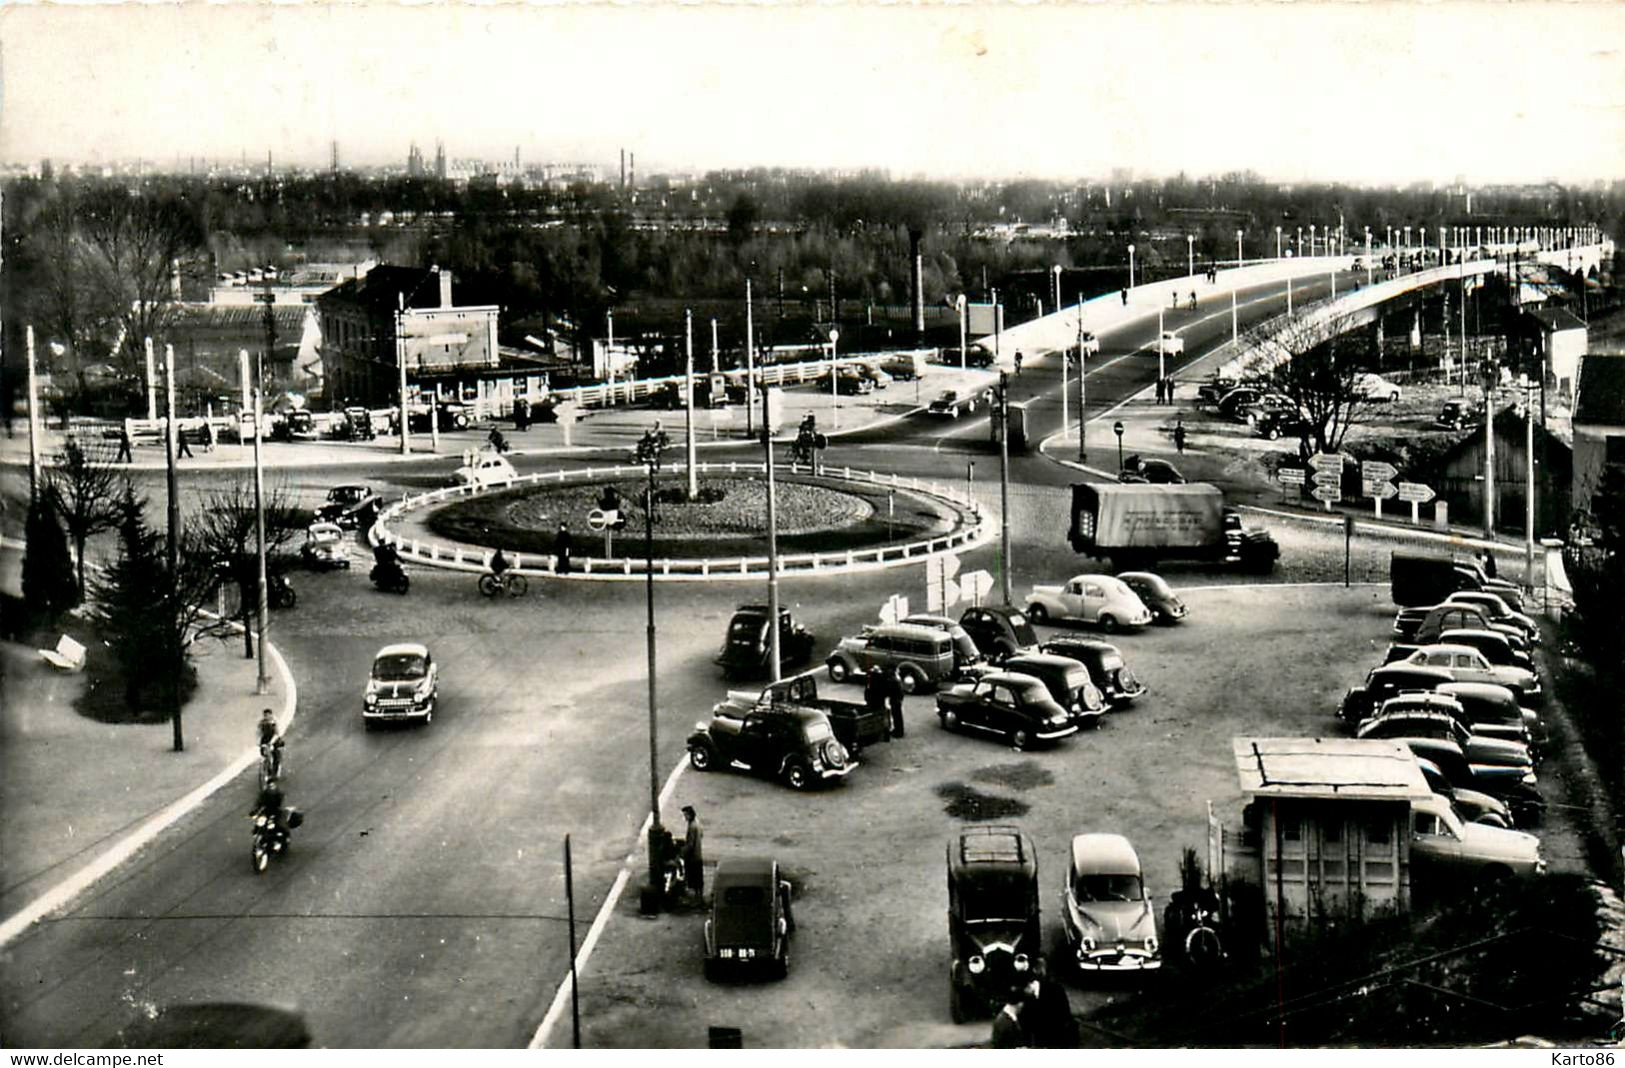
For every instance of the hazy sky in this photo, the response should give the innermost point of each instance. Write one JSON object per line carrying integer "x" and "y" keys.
{"x": 1358, "y": 91}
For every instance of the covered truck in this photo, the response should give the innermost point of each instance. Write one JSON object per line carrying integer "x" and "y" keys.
{"x": 1136, "y": 524}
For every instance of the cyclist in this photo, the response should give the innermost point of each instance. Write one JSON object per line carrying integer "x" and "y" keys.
{"x": 499, "y": 567}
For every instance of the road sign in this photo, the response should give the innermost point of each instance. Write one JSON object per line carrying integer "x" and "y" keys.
{"x": 598, "y": 519}
{"x": 1329, "y": 494}
{"x": 978, "y": 584}
{"x": 1292, "y": 476}
{"x": 895, "y": 609}
{"x": 1377, "y": 471}
{"x": 1380, "y": 490}
{"x": 940, "y": 589}
{"x": 1415, "y": 491}
{"x": 1326, "y": 461}
{"x": 1328, "y": 478}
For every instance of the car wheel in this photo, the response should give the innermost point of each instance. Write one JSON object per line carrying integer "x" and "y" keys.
{"x": 950, "y": 719}
{"x": 910, "y": 680}
{"x": 838, "y": 671}
{"x": 700, "y": 757}
{"x": 1019, "y": 740}
{"x": 795, "y": 776}
{"x": 1271, "y": 433}
{"x": 1108, "y": 623}
{"x": 1038, "y": 613}
{"x": 1252, "y": 419}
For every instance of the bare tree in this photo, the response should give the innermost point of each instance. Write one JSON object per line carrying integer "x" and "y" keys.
{"x": 88, "y": 496}
{"x": 1314, "y": 361}
{"x": 224, "y": 534}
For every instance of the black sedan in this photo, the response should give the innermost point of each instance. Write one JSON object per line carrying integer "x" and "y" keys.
{"x": 1106, "y": 668}
{"x": 1165, "y": 605}
{"x": 1018, "y": 707}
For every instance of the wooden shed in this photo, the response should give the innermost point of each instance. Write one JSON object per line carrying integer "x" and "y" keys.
{"x": 1325, "y": 831}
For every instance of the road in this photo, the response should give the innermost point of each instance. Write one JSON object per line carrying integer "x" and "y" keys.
{"x": 422, "y": 902}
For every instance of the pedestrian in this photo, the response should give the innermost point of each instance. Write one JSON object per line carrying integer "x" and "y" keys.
{"x": 561, "y": 550}
{"x": 1179, "y": 436}
{"x": 1047, "y": 1013}
{"x": 1168, "y": 390}
{"x": 206, "y": 436}
{"x": 521, "y": 414}
{"x": 874, "y": 689}
{"x": 75, "y": 455}
{"x": 1488, "y": 559}
{"x": 1018, "y": 363}
{"x": 894, "y": 699}
{"x": 1008, "y": 1030}
{"x": 123, "y": 446}
{"x": 1159, "y": 391}
{"x": 1125, "y": 298}
{"x": 181, "y": 447}
{"x": 693, "y": 853}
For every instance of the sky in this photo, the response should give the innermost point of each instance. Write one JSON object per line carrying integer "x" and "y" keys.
{"x": 1356, "y": 92}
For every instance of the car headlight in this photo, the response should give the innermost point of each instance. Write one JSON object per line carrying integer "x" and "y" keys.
{"x": 1021, "y": 962}
{"x": 976, "y": 965}
{"x": 1089, "y": 943}
{"x": 371, "y": 697}
{"x": 1151, "y": 944}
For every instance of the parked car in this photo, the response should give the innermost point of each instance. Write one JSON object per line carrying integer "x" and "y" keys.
{"x": 488, "y": 469}
{"x": 1275, "y": 423}
{"x": 1467, "y": 664}
{"x": 1456, "y": 415}
{"x": 1384, "y": 682}
{"x": 1171, "y": 344}
{"x": 1417, "y": 716}
{"x": 747, "y": 648}
{"x": 1518, "y": 787}
{"x": 1269, "y": 406}
{"x": 1107, "y": 915}
{"x": 993, "y": 917}
{"x": 849, "y": 382}
{"x": 1418, "y": 579}
{"x": 855, "y": 724}
{"x": 1374, "y": 387}
{"x": 1232, "y": 402}
{"x": 750, "y": 924}
{"x": 1494, "y": 644}
{"x": 793, "y": 744}
{"x": 404, "y": 683}
{"x": 877, "y": 376}
{"x": 1067, "y": 681}
{"x": 351, "y": 506}
{"x": 1474, "y": 806}
{"x": 979, "y": 355}
{"x": 905, "y": 367}
{"x": 1159, "y": 472}
{"x": 1018, "y": 707}
{"x": 1209, "y": 392}
{"x": 1444, "y": 846}
{"x": 1422, "y": 625}
{"x": 923, "y": 656}
{"x": 1103, "y": 600}
{"x": 1156, "y": 595}
{"x": 966, "y": 654}
{"x": 1497, "y": 611}
{"x": 945, "y": 403}
{"x": 1105, "y": 664}
{"x": 999, "y": 630}
{"x": 1487, "y": 708}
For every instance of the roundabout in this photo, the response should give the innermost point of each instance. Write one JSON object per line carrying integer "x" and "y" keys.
{"x": 837, "y": 519}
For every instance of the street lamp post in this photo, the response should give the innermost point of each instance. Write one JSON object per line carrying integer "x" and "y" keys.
{"x": 960, "y": 302}
{"x": 1289, "y": 281}
{"x": 1190, "y": 255}
{"x": 1131, "y": 266}
{"x": 649, "y": 454}
{"x": 1311, "y": 240}
{"x": 1238, "y": 248}
{"x": 1277, "y": 242}
{"x": 688, "y": 384}
{"x": 1234, "y": 335}
{"x": 750, "y": 362}
{"x": 1004, "y": 485}
{"x": 772, "y": 548}
{"x": 1162, "y": 371}
{"x": 1056, "y": 270}
{"x": 1083, "y": 366}
{"x": 1368, "y": 255}
{"x": 834, "y": 401}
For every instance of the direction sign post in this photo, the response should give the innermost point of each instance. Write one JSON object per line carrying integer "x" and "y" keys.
{"x": 1416, "y": 493}
{"x": 940, "y": 589}
{"x": 1327, "y": 493}
{"x": 1291, "y": 478}
{"x": 976, "y": 585}
{"x": 1327, "y": 461}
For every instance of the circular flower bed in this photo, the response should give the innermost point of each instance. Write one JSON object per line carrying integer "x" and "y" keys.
{"x": 740, "y": 512}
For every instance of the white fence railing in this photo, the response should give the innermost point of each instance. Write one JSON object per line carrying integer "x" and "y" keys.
{"x": 973, "y": 527}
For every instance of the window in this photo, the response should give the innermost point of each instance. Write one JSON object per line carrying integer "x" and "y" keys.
{"x": 1426, "y": 823}
{"x": 1377, "y": 831}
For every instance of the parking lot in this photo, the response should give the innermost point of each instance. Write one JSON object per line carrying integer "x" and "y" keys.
{"x": 870, "y": 954}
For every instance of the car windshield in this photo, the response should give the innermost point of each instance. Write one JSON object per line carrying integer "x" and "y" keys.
{"x": 817, "y": 732}
{"x": 1107, "y": 888}
{"x": 994, "y": 898}
{"x": 745, "y": 897}
{"x": 747, "y": 628}
{"x": 398, "y": 667}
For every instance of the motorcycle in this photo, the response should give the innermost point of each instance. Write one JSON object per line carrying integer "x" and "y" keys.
{"x": 272, "y": 835}
{"x": 390, "y": 578}
{"x": 1192, "y": 923}
{"x": 280, "y": 592}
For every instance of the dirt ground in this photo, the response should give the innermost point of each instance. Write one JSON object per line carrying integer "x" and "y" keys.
{"x": 870, "y": 953}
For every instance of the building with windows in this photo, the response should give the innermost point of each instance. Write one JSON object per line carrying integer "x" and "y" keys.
{"x": 371, "y": 324}
{"x": 1599, "y": 423}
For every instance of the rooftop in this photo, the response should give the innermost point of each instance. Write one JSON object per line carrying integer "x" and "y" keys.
{"x": 1352, "y": 768}
{"x": 1600, "y": 398}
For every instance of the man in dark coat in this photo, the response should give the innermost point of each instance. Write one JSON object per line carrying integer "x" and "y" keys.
{"x": 693, "y": 853}
{"x": 1047, "y": 1013}
{"x": 562, "y": 543}
{"x": 894, "y": 699}
{"x": 874, "y": 689}
{"x": 1009, "y": 1029}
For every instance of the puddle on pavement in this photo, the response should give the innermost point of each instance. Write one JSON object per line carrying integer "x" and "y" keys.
{"x": 968, "y": 803}
{"x": 1023, "y": 775}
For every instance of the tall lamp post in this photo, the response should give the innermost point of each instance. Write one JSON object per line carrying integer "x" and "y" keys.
{"x": 648, "y": 453}
{"x": 1056, "y": 270}
{"x": 1238, "y": 248}
{"x": 1289, "y": 281}
{"x": 1190, "y": 255}
{"x": 1277, "y": 242}
{"x": 1082, "y": 370}
{"x": 959, "y": 302}
{"x": 1131, "y": 266}
{"x": 774, "y": 649}
{"x": 834, "y": 380}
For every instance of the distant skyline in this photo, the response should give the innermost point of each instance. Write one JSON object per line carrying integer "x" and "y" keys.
{"x": 1364, "y": 93}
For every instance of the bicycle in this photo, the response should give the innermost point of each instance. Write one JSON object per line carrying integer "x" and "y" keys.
{"x": 513, "y": 585}
{"x": 270, "y": 763}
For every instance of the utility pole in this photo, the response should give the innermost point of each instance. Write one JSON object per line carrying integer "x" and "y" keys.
{"x": 772, "y": 549}
{"x": 263, "y": 683}
{"x": 688, "y": 384}
{"x": 1489, "y": 451}
{"x": 1529, "y": 487}
{"x": 649, "y": 455}
{"x": 34, "y": 474}
{"x": 1004, "y": 483}
{"x": 178, "y": 739}
{"x": 750, "y": 362}
{"x": 400, "y": 362}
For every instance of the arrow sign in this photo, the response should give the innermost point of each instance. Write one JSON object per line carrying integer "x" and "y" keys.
{"x": 1292, "y": 476}
{"x": 1328, "y": 478}
{"x": 1329, "y": 494}
{"x": 1377, "y": 471}
{"x": 978, "y": 584}
{"x": 951, "y": 593}
{"x": 895, "y": 609}
{"x": 1326, "y": 461}
{"x": 1380, "y": 490}
{"x": 1415, "y": 491}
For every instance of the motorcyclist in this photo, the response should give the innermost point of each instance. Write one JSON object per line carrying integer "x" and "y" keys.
{"x": 386, "y": 561}
{"x": 272, "y": 803}
{"x": 497, "y": 441}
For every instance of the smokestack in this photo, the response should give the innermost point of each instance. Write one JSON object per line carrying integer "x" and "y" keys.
{"x": 914, "y": 237}
{"x": 623, "y": 169}
{"x": 632, "y": 169}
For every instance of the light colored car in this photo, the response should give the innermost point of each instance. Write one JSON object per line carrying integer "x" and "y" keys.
{"x": 1497, "y": 611}
{"x": 1467, "y": 664}
{"x": 945, "y": 403}
{"x": 1088, "y": 344}
{"x": 488, "y": 469}
{"x": 1106, "y": 913}
{"x": 1376, "y": 388}
{"x": 1104, "y": 600}
{"x": 1171, "y": 344}
{"x": 404, "y": 684}
{"x": 1442, "y": 843}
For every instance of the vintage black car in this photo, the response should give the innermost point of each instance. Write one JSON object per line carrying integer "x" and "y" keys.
{"x": 750, "y": 925}
{"x": 1105, "y": 663}
{"x": 993, "y": 928}
{"x": 999, "y": 630}
{"x": 1381, "y": 683}
{"x": 1068, "y": 683}
{"x": 794, "y": 744}
{"x": 1455, "y": 415}
{"x": 1018, "y": 707}
{"x": 856, "y": 725}
{"x": 350, "y": 506}
{"x": 1161, "y": 472}
{"x": 1165, "y": 605}
{"x": 748, "y": 645}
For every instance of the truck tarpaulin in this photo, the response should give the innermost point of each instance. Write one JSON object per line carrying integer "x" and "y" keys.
{"x": 1137, "y": 516}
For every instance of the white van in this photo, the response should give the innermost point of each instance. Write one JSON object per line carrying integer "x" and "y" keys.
{"x": 484, "y": 470}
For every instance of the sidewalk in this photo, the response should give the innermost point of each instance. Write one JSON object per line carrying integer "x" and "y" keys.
{"x": 600, "y": 428}
{"x": 73, "y": 790}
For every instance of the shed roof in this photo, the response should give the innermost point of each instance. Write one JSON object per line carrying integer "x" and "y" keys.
{"x": 1600, "y": 398}
{"x": 1347, "y": 768}
{"x": 1556, "y": 319}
